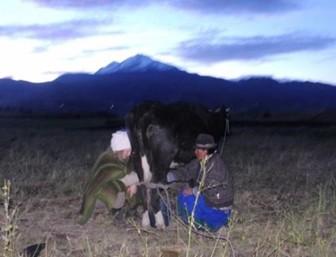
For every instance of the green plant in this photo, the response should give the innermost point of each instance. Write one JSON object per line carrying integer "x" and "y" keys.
{"x": 9, "y": 228}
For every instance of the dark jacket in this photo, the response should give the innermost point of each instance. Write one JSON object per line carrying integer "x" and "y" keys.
{"x": 217, "y": 186}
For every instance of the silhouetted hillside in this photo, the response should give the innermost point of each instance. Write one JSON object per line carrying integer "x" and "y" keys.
{"x": 118, "y": 91}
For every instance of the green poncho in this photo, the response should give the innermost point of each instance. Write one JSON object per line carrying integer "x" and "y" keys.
{"x": 105, "y": 184}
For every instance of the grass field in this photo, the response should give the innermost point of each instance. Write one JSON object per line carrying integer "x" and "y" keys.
{"x": 284, "y": 196}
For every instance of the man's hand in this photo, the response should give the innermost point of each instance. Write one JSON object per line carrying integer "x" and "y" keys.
{"x": 170, "y": 177}
{"x": 131, "y": 190}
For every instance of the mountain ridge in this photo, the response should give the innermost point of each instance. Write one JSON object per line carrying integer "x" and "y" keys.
{"x": 118, "y": 92}
{"x": 137, "y": 63}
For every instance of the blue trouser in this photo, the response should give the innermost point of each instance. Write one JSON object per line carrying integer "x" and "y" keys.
{"x": 205, "y": 217}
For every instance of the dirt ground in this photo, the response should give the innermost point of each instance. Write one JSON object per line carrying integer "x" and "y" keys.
{"x": 284, "y": 197}
{"x": 54, "y": 221}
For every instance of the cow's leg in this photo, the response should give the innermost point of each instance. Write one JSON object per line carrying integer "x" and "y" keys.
{"x": 160, "y": 208}
{"x": 156, "y": 215}
{"x": 150, "y": 215}
{"x": 146, "y": 220}
{"x": 153, "y": 215}
{"x": 147, "y": 174}
{"x": 165, "y": 209}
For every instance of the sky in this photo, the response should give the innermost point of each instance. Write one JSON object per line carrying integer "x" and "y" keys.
{"x": 231, "y": 39}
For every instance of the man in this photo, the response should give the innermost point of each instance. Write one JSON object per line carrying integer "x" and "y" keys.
{"x": 112, "y": 177}
{"x": 208, "y": 197}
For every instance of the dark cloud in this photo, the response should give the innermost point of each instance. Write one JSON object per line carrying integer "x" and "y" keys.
{"x": 253, "y": 48}
{"x": 211, "y": 6}
{"x": 237, "y": 6}
{"x": 56, "y": 31}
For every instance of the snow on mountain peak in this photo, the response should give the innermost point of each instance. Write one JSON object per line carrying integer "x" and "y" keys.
{"x": 137, "y": 63}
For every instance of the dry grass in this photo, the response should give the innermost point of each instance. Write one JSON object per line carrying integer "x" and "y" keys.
{"x": 284, "y": 185}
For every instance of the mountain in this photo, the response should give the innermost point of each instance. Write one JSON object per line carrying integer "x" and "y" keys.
{"x": 116, "y": 88}
{"x": 137, "y": 63}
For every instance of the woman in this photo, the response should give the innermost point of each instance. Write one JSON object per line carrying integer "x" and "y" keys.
{"x": 112, "y": 177}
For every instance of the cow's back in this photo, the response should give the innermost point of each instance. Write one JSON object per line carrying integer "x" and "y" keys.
{"x": 166, "y": 134}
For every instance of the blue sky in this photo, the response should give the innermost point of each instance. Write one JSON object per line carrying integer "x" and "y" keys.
{"x": 285, "y": 39}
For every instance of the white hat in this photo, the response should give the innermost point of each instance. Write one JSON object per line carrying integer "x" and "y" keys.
{"x": 120, "y": 141}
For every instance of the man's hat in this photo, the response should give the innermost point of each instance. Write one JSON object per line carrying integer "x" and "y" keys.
{"x": 205, "y": 141}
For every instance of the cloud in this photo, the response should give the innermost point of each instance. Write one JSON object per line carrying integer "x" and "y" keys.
{"x": 252, "y": 48}
{"x": 210, "y": 6}
{"x": 87, "y": 52}
{"x": 86, "y": 4}
{"x": 237, "y": 6}
{"x": 41, "y": 49}
{"x": 71, "y": 3}
{"x": 108, "y": 49}
{"x": 60, "y": 31}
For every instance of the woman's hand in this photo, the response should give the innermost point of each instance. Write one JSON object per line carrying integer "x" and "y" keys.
{"x": 131, "y": 190}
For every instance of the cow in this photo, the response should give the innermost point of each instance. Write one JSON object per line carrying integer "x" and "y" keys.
{"x": 163, "y": 136}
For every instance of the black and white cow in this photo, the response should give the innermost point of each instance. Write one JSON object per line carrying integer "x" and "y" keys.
{"x": 163, "y": 136}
